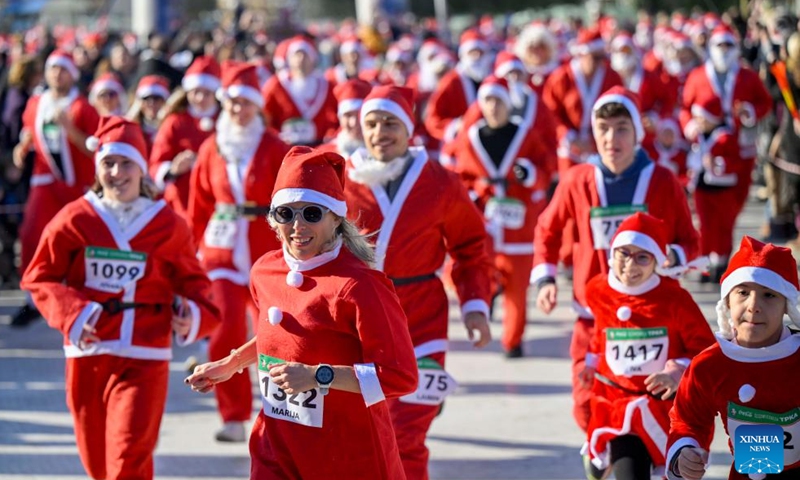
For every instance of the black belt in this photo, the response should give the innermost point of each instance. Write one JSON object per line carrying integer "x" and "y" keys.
{"x": 114, "y": 306}
{"x": 248, "y": 210}
{"x": 399, "y": 282}
{"x": 612, "y": 383}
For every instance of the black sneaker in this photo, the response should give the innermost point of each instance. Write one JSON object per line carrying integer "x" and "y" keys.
{"x": 515, "y": 352}
{"x": 25, "y": 316}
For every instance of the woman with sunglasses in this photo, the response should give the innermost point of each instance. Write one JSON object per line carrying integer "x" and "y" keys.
{"x": 151, "y": 96}
{"x": 647, "y": 329}
{"x": 228, "y": 204}
{"x": 332, "y": 342}
{"x": 105, "y": 274}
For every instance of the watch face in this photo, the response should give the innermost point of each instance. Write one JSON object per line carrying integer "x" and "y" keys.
{"x": 324, "y": 375}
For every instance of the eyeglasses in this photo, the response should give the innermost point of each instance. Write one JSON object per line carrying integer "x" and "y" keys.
{"x": 639, "y": 258}
{"x": 311, "y": 213}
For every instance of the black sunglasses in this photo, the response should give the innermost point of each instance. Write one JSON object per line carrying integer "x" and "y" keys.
{"x": 311, "y": 213}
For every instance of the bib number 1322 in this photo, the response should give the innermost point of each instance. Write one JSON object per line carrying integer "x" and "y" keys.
{"x": 305, "y": 408}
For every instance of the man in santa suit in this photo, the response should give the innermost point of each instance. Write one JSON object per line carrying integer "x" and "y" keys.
{"x": 300, "y": 104}
{"x": 352, "y": 54}
{"x": 509, "y": 67}
{"x": 744, "y": 98}
{"x": 570, "y": 92}
{"x": 538, "y": 50}
{"x": 746, "y": 376}
{"x": 350, "y": 96}
{"x": 55, "y": 126}
{"x": 457, "y": 90}
{"x": 228, "y": 202}
{"x": 598, "y": 196}
{"x": 419, "y": 212}
{"x": 506, "y": 163}
{"x": 669, "y": 149}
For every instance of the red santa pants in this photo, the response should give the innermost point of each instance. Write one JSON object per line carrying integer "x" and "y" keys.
{"x": 581, "y": 396}
{"x": 44, "y": 202}
{"x": 515, "y": 274}
{"x": 234, "y": 397}
{"x": 717, "y": 210}
{"x": 411, "y": 423}
{"x": 116, "y": 405}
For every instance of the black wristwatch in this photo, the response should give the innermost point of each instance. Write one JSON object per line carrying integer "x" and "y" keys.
{"x": 324, "y": 377}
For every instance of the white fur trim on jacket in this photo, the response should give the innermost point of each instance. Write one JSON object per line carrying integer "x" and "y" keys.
{"x": 182, "y": 341}
{"x": 88, "y": 316}
{"x": 475, "y": 305}
{"x": 543, "y": 270}
{"x": 370, "y": 385}
{"x": 673, "y": 451}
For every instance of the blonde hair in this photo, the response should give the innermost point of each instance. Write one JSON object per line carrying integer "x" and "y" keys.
{"x": 23, "y": 70}
{"x": 793, "y": 57}
{"x": 352, "y": 239}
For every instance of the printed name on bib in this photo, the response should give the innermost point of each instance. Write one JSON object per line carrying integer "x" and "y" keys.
{"x": 506, "y": 212}
{"x": 304, "y": 408}
{"x": 605, "y": 222}
{"x": 789, "y": 421}
{"x": 110, "y": 270}
{"x": 221, "y": 229}
{"x": 636, "y": 351}
{"x": 434, "y": 384}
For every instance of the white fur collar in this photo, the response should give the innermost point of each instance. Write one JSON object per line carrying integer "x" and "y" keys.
{"x": 125, "y": 213}
{"x": 370, "y": 172}
{"x": 296, "y": 265}
{"x": 786, "y": 346}
{"x": 640, "y": 289}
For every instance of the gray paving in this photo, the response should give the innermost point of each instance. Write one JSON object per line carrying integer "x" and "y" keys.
{"x": 509, "y": 419}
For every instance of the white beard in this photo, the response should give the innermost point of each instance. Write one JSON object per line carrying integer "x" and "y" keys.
{"x": 723, "y": 61}
{"x": 197, "y": 113}
{"x": 477, "y": 70}
{"x": 371, "y": 172}
{"x": 236, "y": 143}
{"x": 347, "y": 145}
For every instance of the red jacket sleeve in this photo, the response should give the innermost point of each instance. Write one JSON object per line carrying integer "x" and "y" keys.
{"x": 201, "y": 196}
{"x": 165, "y": 145}
{"x": 550, "y": 97}
{"x": 549, "y": 228}
{"x": 441, "y": 109}
{"x": 692, "y": 414}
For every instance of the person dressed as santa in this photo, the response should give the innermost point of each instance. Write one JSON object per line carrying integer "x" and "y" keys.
{"x": 647, "y": 330}
{"x": 419, "y": 213}
{"x": 300, "y": 103}
{"x": 536, "y": 46}
{"x": 151, "y": 96}
{"x": 746, "y": 376}
{"x": 507, "y": 163}
{"x": 55, "y": 126}
{"x": 332, "y": 345}
{"x": 507, "y": 66}
{"x": 598, "y": 196}
{"x": 669, "y": 149}
{"x": 353, "y": 56}
{"x": 350, "y": 96}
{"x": 107, "y": 95}
{"x": 228, "y": 204}
{"x": 188, "y": 121}
{"x": 106, "y": 275}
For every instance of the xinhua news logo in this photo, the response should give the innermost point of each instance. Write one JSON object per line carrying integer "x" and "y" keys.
{"x": 758, "y": 449}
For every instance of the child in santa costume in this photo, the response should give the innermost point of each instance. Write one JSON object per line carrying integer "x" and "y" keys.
{"x": 746, "y": 376}
{"x": 332, "y": 344}
{"x": 106, "y": 274}
{"x": 151, "y": 96}
{"x": 188, "y": 121}
{"x": 228, "y": 203}
{"x": 647, "y": 329}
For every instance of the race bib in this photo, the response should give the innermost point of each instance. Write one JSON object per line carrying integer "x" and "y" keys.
{"x": 506, "y": 212}
{"x": 789, "y": 421}
{"x": 636, "y": 351}
{"x": 221, "y": 231}
{"x": 434, "y": 384}
{"x": 606, "y": 220}
{"x": 52, "y": 137}
{"x": 298, "y": 131}
{"x": 109, "y": 270}
{"x": 301, "y": 408}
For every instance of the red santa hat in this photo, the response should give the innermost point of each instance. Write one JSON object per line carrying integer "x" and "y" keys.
{"x": 350, "y": 95}
{"x": 626, "y": 98}
{"x": 350, "y": 45}
{"x": 204, "y": 72}
{"x": 152, "y": 86}
{"x": 646, "y": 232}
{"x": 622, "y": 40}
{"x": 589, "y": 41}
{"x": 279, "y": 57}
{"x": 299, "y": 43}
{"x": 506, "y": 62}
{"x": 104, "y": 83}
{"x": 396, "y": 53}
{"x": 118, "y": 136}
{"x": 240, "y": 80}
{"x": 392, "y": 99}
{"x": 471, "y": 40}
{"x": 679, "y": 41}
{"x": 767, "y": 265}
{"x": 722, "y": 34}
{"x": 430, "y": 47}
{"x": 708, "y": 107}
{"x": 314, "y": 176}
{"x": 64, "y": 60}
{"x": 495, "y": 87}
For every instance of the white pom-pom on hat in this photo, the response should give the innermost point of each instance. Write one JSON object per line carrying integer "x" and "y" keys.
{"x": 294, "y": 279}
{"x": 746, "y": 393}
{"x": 624, "y": 313}
{"x": 206, "y": 124}
{"x": 274, "y": 315}
{"x": 92, "y": 143}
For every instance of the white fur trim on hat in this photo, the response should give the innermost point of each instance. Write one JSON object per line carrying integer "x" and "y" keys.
{"x": 386, "y": 105}
{"x": 598, "y": 45}
{"x": 291, "y": 195}
{"x": 494, "y": 90}
{"x": 301, "y": 45}
{"x": 629, "y": 106}
{"x": 105, "y": 85}
{"x": 124, "y": 149}
{"x": 349, "y": 105}
{"x": 241, "y": 91}
{"x": 151, "y": 90}
{"x": 465, "y": 47}
{"x": 721, "y": 37}
{"x": 64, "y": 62}
{"x": 350, "y": 46}
{"x": 200, "y": 80}
{"x": 641, "y": 240}
{"x": 761, "y": 276}
{"x": 504, "y": 68}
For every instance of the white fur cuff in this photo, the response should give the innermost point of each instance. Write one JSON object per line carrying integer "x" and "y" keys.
{"x": 370, "y": 384}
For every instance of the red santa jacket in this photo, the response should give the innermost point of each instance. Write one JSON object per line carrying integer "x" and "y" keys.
{"x": 230, "y": 240}
{"x": 510, "y": 206}
{"x": 298, "y": 120}
{"x": 344, "y": 313}
{"x": 431, "y": 216}
{"x": 178, "y": 132}
{"x": 742, "y": 386}
{"x": 673, "y": 158}
{"x": 656, "y": 100}
{"x": 743, "y": 91}
{"x": 580, "y": 196}
{"x": 539, "y": 75}
{"x": 637, "y": 329}
{"x": 449, "y": 102}
{"x": 78, "y": 168}
{"x": 721, "y": 150}
{"x": 570, "y": 97}
{"x": 85, "y": 259}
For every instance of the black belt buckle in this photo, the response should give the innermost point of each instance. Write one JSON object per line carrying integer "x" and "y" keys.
{"x": 112, "y": 306}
